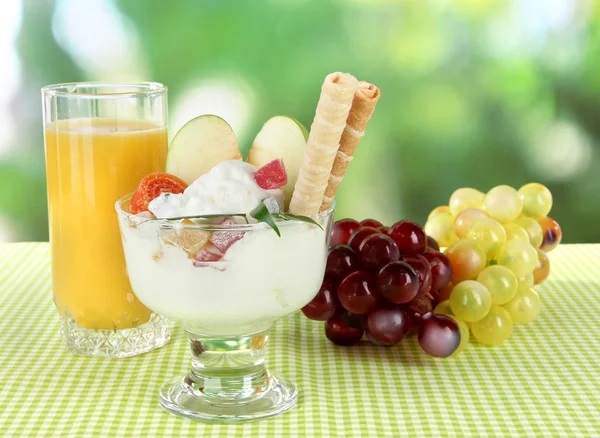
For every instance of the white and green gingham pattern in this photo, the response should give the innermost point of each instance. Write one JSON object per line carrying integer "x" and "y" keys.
{"x": 545, "y": 381}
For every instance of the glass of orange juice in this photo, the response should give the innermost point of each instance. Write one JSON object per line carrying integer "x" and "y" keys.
{"x": 100, "y": 140}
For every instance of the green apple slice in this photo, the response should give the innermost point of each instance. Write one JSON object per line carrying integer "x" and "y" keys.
{"x": 281, "y": 137}
{"x": 199, "y": 145}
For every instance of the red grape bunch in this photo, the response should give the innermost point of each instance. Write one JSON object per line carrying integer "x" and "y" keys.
{"x": 382, "y": 283}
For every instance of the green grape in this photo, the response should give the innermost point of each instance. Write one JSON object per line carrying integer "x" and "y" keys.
{"x": 501, "y": 282}
{"x": 465, "y": 198}
{"x": 438, "y": 210}
{"x": 443, "y": 308}
{"x": 491, "y": 257}
{"x": 537, "y": 199}
{"x": 467, "y": 260}
{"x": 551, "y": 233}
{"x": 441, "y": 228}
{"x": 470, "y": 300}
{"x": 489, "y": 234}
{"x": 466, "y": 219}
{"x": 494, "y": 328}
{"x": 518, "y": 256}
{"x": 542, "y": 269}
{"x": 515, "y": 232}
{"x": 525, "y": 306}
{"x": 464, "y": 335}
{"x": 533, "y": 228}
{"x": 503, "y": 203}
{"x": 528, "y": 280}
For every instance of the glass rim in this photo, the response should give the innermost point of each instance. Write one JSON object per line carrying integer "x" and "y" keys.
{"x": 175, "y": 224}
{"x": 66, "y": 89}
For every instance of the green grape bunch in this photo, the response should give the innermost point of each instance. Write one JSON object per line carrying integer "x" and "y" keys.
{"x": 497, "y": 243}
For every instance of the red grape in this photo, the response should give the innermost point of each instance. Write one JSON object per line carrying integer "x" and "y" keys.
{"x": 340, "y": 262}
{"x": 432, "y": 243}
{"x": 551, "y": 232}
{"x": 360, "y": 234}
{"x": 398, "y": 282}
{"x": 445, "y": 292}
{"x": 388, "y": 325}
{"x": 352, "y": 319}
{"x": 441, "y": 269}
{"x": 323, "y": 306}
{"x": 358, "y": 292}
{"x": 421, "y": 266}
{"x": 439, "y": 335}
{"x": 371, "y": 223}
{"x": 434, "y": 297}
{"x": 409, "y": 236}
{"x": 342, "y": 230}
{"x": 419, "y": 306}
{"x": 340, "y": 333}
{"x": 376, "y": 251}
{"x": 374, "y": 341}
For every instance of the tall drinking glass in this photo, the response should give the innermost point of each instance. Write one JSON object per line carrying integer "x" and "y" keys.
{"x": 100, "y": 140}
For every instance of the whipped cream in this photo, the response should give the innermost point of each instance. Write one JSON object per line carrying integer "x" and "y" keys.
{"x": 228, "y": 188}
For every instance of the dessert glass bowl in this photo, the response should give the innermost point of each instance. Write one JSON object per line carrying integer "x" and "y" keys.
{"x": 227, "y": 305}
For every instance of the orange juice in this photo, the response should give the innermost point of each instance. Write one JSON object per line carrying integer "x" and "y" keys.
{"x": 91, "y": 163}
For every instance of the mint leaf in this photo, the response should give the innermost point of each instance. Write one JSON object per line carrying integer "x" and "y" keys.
{"x": 295, "y": 217}
{"x": 261, "y": 213}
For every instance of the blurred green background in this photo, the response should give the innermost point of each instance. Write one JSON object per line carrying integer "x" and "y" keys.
{"x": 474, "y": 92}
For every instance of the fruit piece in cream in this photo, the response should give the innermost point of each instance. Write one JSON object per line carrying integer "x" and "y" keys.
{"x": 228, "y": 188}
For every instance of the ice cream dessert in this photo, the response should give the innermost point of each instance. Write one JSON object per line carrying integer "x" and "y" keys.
{"x": 197, "y": 254}
{"x": 226, "y": 247}
{"x": 228, "y": 277}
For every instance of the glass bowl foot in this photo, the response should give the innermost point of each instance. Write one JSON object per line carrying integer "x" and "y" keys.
{"x": 180, "y": 397}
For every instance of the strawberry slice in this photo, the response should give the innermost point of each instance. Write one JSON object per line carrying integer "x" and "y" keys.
{"x": 272, "y": 175}
{"x": 152, "y": 186}
{"x": 222, "y": 240}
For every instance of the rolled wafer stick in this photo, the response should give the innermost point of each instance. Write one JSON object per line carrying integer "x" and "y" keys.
{"x": 323, "y": 143}
{"x": 363, "y": 105}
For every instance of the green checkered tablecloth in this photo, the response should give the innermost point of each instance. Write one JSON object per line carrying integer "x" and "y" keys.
{"x": 545, "y": 381}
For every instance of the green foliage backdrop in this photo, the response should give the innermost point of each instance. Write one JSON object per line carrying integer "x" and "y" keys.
{"x": 474, "y": 93}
